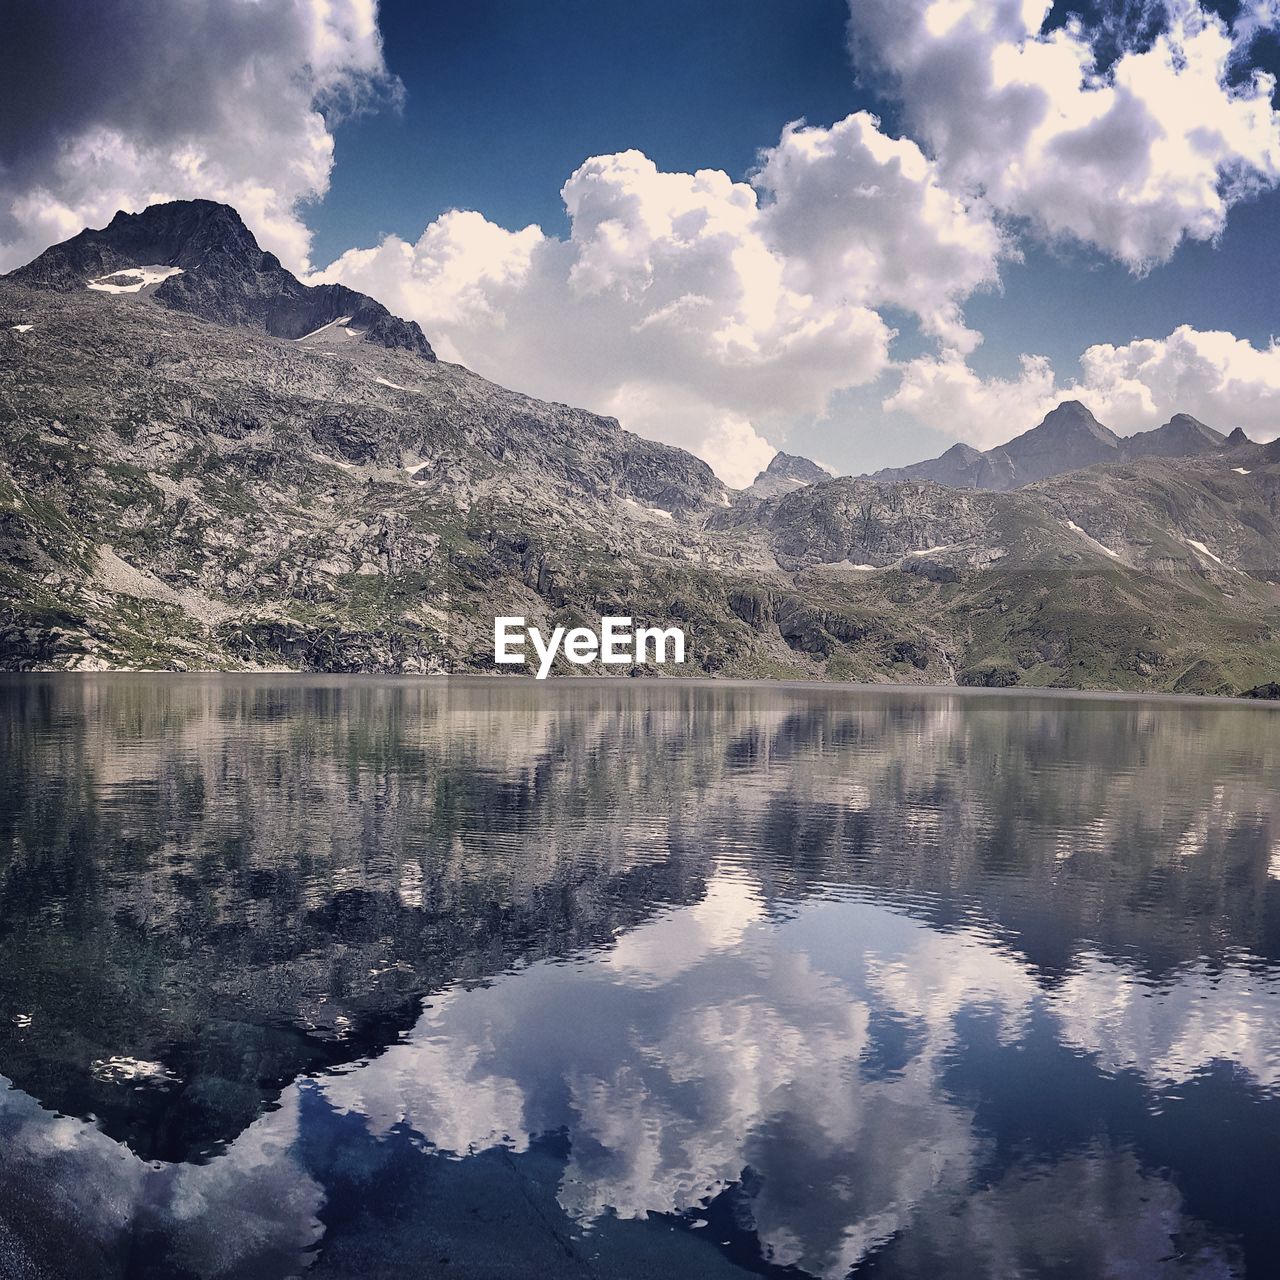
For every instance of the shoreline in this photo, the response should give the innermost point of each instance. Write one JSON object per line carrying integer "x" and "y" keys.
{"x": 739, "y": 682}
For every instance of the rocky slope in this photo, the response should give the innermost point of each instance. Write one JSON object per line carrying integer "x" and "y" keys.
{"x": 1068, "y": 438}
{"x": 189, "y": 492}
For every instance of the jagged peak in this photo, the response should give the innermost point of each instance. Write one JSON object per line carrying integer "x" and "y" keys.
{"x": 1181, "y": 436}
{"x": 1070, "y": 411}
{"x": 219, "y": 273}
{"x": 1070, "y": 418}
{"x": 793, "y": 464}
{"x": 1185, "y": 424}
{"x": 207, "y": 211}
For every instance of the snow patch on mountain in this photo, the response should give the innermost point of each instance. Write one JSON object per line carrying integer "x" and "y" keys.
{"x": 343, "y": 320}
{"x": 1202, "y": 549}
{"x": 1088, "y": 537}
{"x": 660, "y": 513}
{"x": 132, "y": 279}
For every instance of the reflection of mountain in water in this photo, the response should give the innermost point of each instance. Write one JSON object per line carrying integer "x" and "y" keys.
{"x": 852, "y": 978}
{"x": 249, "y": 882}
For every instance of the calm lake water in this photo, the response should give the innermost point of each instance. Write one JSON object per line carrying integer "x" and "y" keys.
{"x": 361, "y": 977}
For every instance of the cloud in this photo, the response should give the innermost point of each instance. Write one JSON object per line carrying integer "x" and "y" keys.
{"x": 140, "y": 100}
{"x": 1215, "y": 376}
{"x": 1132, "y": 157}
{"x": 699, "y": 310}
{"x": 945, "y": 393}
{"x": 862, "y": 216}
{"x": 1224, "y": 380}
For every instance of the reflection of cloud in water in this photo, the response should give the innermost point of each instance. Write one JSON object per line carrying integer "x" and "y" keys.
{"x": 444, "y": 1087}
{"x": 716, "y": 1046}
{"x": 942, "y": 973}
{"x": 1097, "y": 1213}
{"x": 731, "y": 1053}
{"x": 710, "y": 1042}
{"x": 1172, "y": 1029}
{"x": 673, "y": 943}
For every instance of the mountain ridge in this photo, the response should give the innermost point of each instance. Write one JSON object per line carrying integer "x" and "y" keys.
{"x": 1067, "y": 438}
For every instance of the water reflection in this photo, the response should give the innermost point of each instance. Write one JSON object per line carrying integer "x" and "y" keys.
{"x": 347, "y": 977}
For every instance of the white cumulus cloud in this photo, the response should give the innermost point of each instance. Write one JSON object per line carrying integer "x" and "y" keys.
{"x": 1132, "y": 157}
{"x": 699, "y": 310}
{"x": 1217, "y": 377}
{"x": 943, "y": 392}
{"x": 1221, "y": 379}
{"x": 862, "y": 216}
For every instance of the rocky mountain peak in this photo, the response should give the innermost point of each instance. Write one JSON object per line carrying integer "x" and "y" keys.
{"x": 1071, "y": 419}
{"x": 182, "y": 234}
{"x": 1067, "y": 438}
{"x": 189, "y": 229}
{"x": 1181, "y": 437}
{"x": 199, "y": 257}
{"x": 787, "y": 471}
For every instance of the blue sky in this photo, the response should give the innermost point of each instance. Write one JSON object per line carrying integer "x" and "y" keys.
{"x": 994, "y": 204}
{"x": 504, "y": 100}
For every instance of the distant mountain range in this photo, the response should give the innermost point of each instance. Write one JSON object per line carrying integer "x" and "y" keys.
{"x": 206, "y": 464}
{"x": 1068, "y": 438}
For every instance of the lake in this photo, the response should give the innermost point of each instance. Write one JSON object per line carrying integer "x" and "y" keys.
{"x": 375, "y": 977}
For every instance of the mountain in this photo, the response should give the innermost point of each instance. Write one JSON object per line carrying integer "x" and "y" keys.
{"x": 1181, "y": 437}
{"x": 1068, "y": 438}
{"x": 786, "y": 471}
{"x": 955, "y": 468}
{"x": 199, "y": 257}
{"x": 189, "y": 491}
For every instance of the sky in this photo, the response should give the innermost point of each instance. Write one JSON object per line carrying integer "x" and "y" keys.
{"x": 859, "y": 230}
